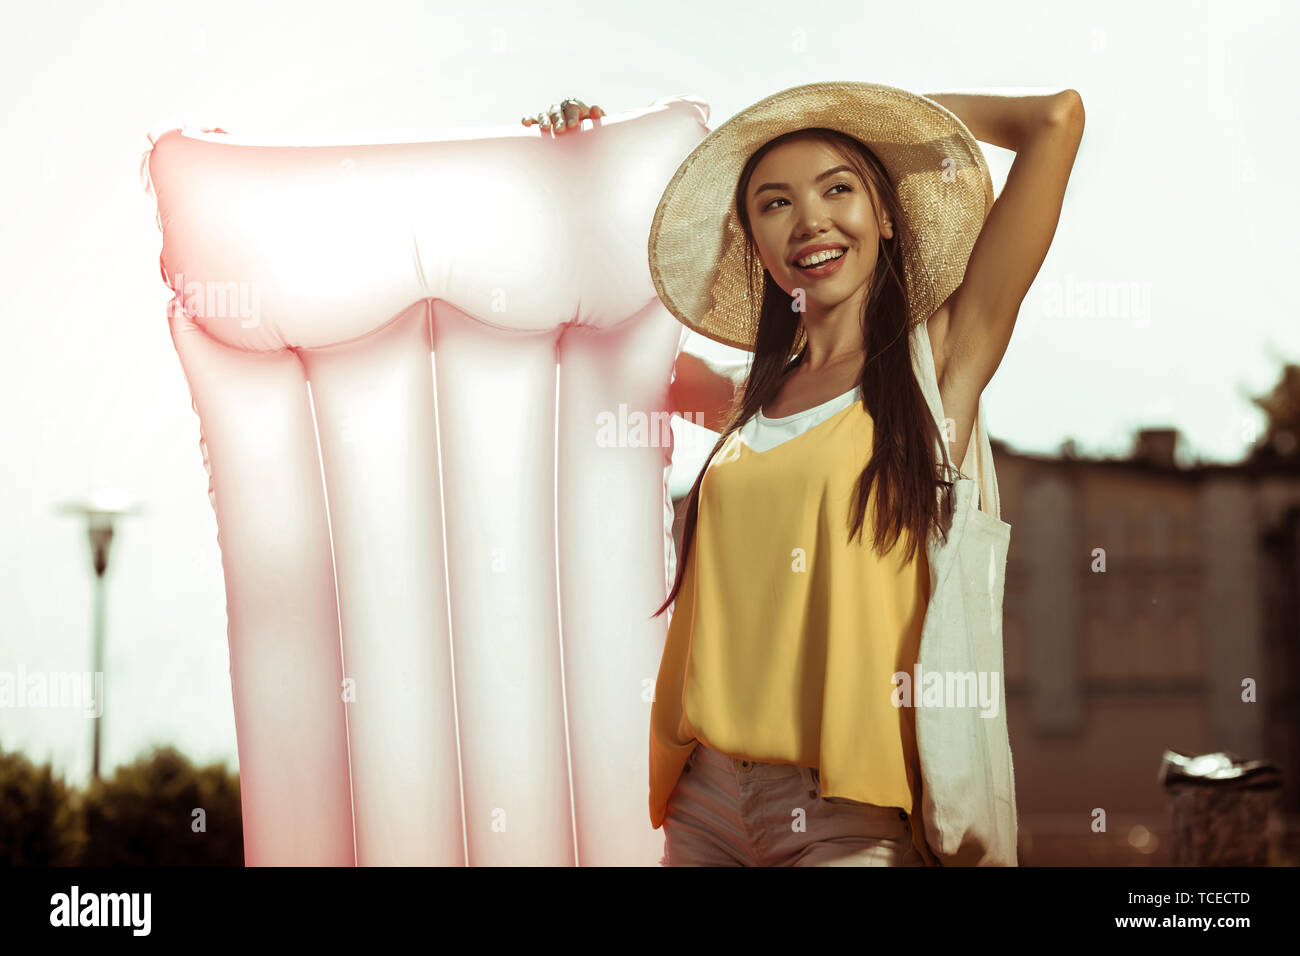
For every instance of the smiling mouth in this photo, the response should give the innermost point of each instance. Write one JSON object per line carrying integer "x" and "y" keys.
{"x": 825, "y": 266}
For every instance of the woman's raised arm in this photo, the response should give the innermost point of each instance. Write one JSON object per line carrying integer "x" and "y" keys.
{"x": 1045, "y": 131}
{"x": 703, "y": 392}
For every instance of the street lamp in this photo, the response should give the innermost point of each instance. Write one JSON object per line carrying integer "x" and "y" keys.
{"x": 101, "y": 509}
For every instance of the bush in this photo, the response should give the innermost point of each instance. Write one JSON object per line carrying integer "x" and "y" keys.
{"x": 143, "y": 815}
{"x": 38, "y": 819}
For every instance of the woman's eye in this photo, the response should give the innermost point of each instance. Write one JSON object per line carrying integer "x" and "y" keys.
{"x": 836, "y": 186}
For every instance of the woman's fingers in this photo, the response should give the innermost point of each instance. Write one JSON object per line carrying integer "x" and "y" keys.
{"x": 563, "y": 116}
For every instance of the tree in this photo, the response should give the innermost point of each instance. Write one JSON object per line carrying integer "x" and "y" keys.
{"x": 1281, "y": 440}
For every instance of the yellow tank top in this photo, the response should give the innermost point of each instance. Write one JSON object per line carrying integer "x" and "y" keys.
{"x": 785, "y": 636}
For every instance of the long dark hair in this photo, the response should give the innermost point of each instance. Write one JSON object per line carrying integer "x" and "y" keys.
{"x": 902, "y": 466}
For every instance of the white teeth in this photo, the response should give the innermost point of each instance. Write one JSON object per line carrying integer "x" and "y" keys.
{"x": 817, "y": 257}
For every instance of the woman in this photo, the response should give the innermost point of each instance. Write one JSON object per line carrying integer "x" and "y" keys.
{"x": 817, "y": 229}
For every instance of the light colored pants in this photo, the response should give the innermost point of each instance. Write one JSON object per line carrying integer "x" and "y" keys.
{"x": 726, "y": 811}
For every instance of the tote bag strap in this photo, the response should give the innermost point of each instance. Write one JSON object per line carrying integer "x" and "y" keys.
{"x": 978, "y": 464}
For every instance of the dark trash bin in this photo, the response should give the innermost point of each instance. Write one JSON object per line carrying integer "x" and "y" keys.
{"x": 1222, "y": 809}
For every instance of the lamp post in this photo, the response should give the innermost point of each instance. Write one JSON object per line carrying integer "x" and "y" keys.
{"x": 100, "y": 509}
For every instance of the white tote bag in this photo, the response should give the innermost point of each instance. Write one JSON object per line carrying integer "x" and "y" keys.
{"x": 968, "y": 781}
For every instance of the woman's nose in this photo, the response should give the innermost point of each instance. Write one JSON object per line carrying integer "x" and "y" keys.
{"x": 811, "y": 221}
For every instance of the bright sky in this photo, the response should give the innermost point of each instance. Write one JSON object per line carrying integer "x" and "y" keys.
{"x": 1178, "y": 217}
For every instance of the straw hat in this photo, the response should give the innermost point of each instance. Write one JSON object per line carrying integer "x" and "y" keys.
{"x": 697, "y": 246}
